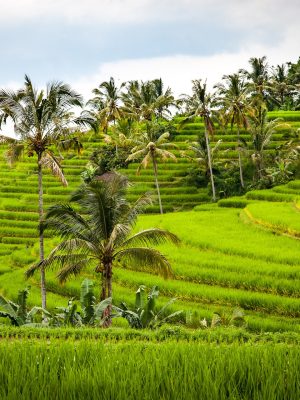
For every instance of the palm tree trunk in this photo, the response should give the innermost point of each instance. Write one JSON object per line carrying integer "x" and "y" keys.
{"x": 261, "y": 165}
{"x": 210, "y": 165}
{"x": 109, "y": 280}
{"x": 240, "y": 161}
{"x": 108, "y": 285}
{"x": 156, "y": 183}
{"x": 103, "y": 286}
{"x": 41, "y": 239}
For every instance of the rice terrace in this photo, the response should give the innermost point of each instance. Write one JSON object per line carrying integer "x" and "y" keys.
{"x": 149, "y": 245}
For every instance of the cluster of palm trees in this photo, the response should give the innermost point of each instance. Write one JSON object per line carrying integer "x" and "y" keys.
{"x": 137, "y": 112}
{"x": 133, "y": 115}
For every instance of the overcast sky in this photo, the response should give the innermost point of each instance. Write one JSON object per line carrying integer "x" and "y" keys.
{"x": 84, "y": 42}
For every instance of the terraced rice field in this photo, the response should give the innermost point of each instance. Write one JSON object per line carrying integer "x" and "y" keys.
{"x": 246, "y": 256}
{"x": 228, "y": 258}
{"x": 242, "y": 252}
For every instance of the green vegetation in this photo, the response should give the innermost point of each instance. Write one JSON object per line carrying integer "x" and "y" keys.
{"x": 234, "y": 176}
{"x": 280, "y": 217}
{"x": 148, "y": 370}
{"x": 98, "y": 235}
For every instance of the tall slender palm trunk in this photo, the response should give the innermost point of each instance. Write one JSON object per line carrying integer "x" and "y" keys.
{"x": 109, "y": 280}
{"x": 106, "y": 292}
{"x": 260, "y": 165}
{"x": 41, "y": 238}
{"x": 106, "y": 283}
{"x": 240, "y": 161}
{"x": 210, "y": 166}
{"x": 103, "y": 286}
{"x": 156, "y": 183}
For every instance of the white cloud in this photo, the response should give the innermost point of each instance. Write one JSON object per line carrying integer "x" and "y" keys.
{"x": 178, "y": 71}
{"x": 254, "y": 13}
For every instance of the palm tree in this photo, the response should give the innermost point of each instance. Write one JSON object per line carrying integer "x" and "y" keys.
{"x": 96, "y": 233}
{"x": 164, "y": 99}
{"x": 262, "y": 130}
{"x": 40, "y": 120}
{"x": 257, "y": 79}
{"x": 233, "y": 94}
{"x": 106, "y": 106}
{"x": 144, "y": 101}
{"x": 150, "y": 146}
{"x": 199, "y": 105}
{"x": 201, "y": 156}
{"x": 121, "y": 133}
{"x": 281, "y": 91}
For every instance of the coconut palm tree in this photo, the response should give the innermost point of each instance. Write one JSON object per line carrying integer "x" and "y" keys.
{"x": 106, "y": 105}
{"x": 200, "y": 155}
{"x": 41, "y": 119}
{"x": 261, "y": 131}
{"x": 121, "y": 134}
{"x": 164, "y": 99}
{"x": 257, "y": 78}
{"x": 145, "y": 101}
{"x": 234, "y": 100}
{"x": 281, "y": 91}
{"x": 152, "y": 145}
{"x": 199, "y": 104}
{"x": 96, "y": 233}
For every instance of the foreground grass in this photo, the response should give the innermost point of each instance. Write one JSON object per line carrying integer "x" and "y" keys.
{"x": 132, "y": 370}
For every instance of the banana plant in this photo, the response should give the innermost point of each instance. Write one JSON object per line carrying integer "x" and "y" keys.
{"x": 145, "y": 314}
{"x": 18, "y": 313}
{"x": 237, "y": 318}
{"x": 68, "y": 316}
{"x": 92, "y": 313}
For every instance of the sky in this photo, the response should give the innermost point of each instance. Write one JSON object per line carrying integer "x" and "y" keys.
{"x": 84, "y": 42}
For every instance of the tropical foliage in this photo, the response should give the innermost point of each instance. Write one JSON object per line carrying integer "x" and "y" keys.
{"x": 145, "y": 313}
{"x": 150, "y": 146}
{"x": 98, "y": 236}
{"x": 41, "y": 119}
{"x": 18, "y": 313}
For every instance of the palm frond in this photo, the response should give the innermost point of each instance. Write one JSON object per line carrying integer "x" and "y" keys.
{"x": 137, "y": 208}
{"x": 48, "y": 160}
{"x": 153, "y": 236}
{"x": 164, "y": 154}
{"x": 72, "y": 269}
{"x": 119, "y": 233}
{"x": 163, "y": 137}
{"x": 62, "y": 219}
{"x": 145, "y": 162}
{"x": 136, "y": 154}
{"x": 70, "y": 144}
{"x": 63, "y": 261}
{"x": 141, "y": 257}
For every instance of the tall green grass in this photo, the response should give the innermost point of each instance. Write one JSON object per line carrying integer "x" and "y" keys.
{"x": 172, "y": 370}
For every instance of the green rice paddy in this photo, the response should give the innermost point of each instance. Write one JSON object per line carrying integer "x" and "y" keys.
{"x": 242, "y": 252}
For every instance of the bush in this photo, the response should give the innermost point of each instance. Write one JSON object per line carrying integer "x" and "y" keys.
{"x": 109, "y": 158}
